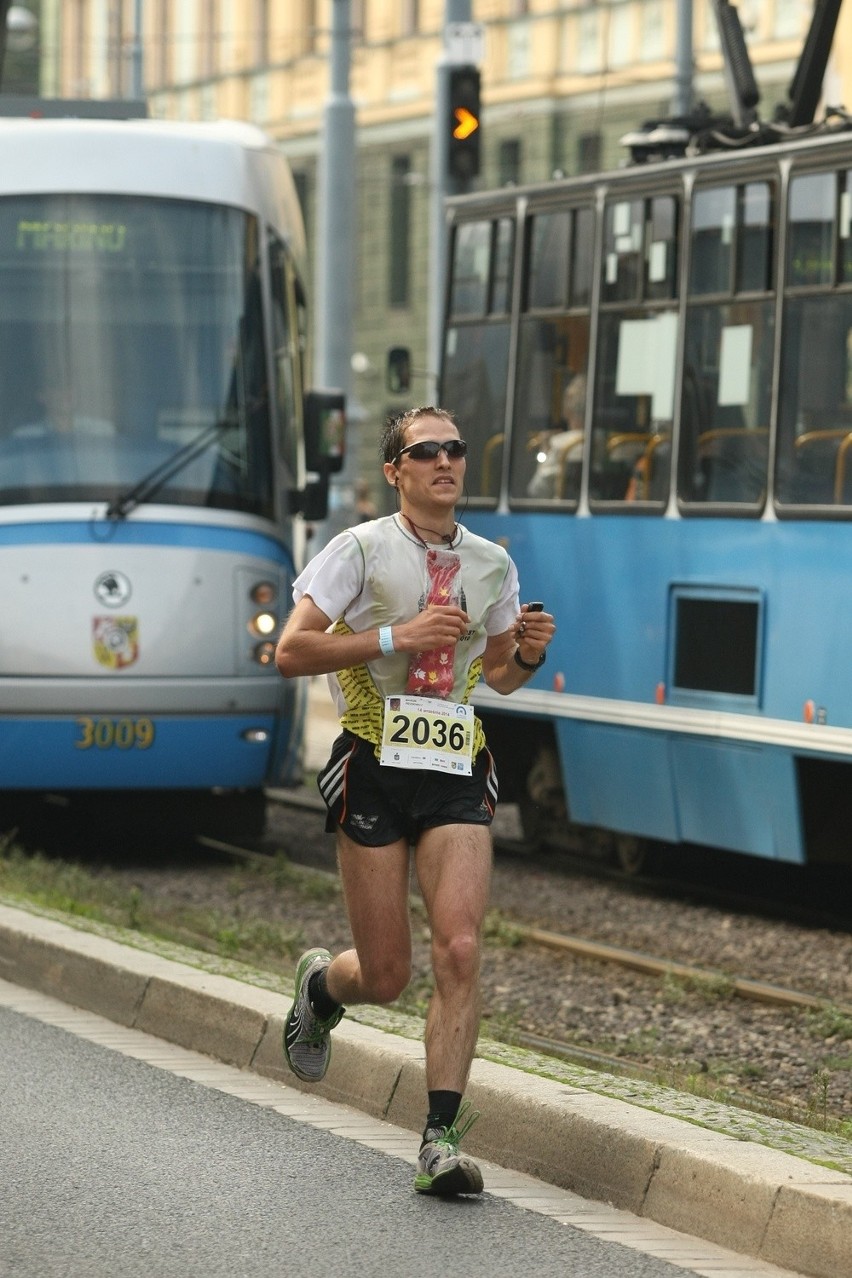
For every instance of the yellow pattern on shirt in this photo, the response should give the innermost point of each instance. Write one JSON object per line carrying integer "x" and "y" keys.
{"x": 365, "y": 707}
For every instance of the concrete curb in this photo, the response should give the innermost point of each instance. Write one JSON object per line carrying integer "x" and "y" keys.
{"x": 743, "y": 1196}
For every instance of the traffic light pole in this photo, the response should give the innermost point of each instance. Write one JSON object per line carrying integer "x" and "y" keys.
{"x": 335, "y": 256}
{"x": 441, "y": 185}
{"x": 5, "y": 6}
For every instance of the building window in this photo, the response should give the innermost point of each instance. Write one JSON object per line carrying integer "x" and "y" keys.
{"x": 309, "y": 26}
{"x": 410, "y": 17}
{"x": 589, "y": 148}
{"x": 653, "y": 36}
{"x": 208, "y": 38}
{"x": 788, "y": 19}
{"x": 518, "y": 51}
{"x": 509, "y": 162}
{"x": 588, "y": 46}
{"x": 118, "y": 65}
{"x": 81, "y": 44}
{"x": 162, "y": 51}
{"x": 621, "y": 35}
{"x": 399, "y": 272}
{"x": 260, "y": 33}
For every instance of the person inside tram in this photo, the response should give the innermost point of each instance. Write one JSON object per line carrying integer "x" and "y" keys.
{"x": 55, "y": 415}
{"x": 560, "y": 444}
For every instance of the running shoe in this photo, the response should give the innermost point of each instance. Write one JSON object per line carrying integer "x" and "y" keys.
{"x": 441, "y": 1168}
{"x": 307, "y": 1038}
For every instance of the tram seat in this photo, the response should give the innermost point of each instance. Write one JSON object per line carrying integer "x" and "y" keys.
{"x": 823, "y": 467}
{"x": 489, "y": 480}
{"x": 733, "y": 461}
{"x": 570, "y": 465}
{"x": 652, "y": 468}
{"x": 623, "y": 451}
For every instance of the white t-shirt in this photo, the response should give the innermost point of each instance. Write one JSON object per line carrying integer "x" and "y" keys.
{"x": 374, "y": 574}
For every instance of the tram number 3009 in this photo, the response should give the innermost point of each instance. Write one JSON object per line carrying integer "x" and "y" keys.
{"x": 114, "y": 734}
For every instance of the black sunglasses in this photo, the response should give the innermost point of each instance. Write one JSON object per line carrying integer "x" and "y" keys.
{"x": 428, "y": 449}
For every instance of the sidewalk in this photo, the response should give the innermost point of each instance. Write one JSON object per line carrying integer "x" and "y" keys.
{"x": 566, "y": 1128}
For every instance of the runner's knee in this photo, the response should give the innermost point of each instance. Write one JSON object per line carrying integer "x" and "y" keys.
{"x": 456, "y": 958}
{"x": 384, "y": 982}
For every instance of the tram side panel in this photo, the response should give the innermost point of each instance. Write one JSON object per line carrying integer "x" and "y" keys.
{"x": 692, "y": 694}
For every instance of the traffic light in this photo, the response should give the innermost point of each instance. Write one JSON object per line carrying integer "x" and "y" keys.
{"x": 465, "y": 128}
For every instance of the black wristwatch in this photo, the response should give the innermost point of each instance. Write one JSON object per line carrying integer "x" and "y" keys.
{"x": 529, "y": 665}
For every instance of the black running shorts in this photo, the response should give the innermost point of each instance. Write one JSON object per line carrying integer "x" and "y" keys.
{"x": 377, "y": 806}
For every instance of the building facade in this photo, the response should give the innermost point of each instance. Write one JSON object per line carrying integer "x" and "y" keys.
{"x": 562, "y": 82}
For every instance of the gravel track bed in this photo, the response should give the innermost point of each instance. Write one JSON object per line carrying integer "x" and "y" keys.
{"x": 694, "y": 1035}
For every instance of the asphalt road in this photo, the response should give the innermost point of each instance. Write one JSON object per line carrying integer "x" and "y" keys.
{"x": 112, "y": 1168}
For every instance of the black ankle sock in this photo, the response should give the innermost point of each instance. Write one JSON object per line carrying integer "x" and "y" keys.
{"x": 320, "y": 999}
{"x": 443, "y": 1107}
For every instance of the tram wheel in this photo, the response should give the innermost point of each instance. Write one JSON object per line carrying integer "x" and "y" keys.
{"x": 533, "y": 823}
{"x": 632, "y": 854}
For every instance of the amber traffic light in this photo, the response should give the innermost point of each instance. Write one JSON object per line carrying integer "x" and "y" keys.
{"x": 465, "y": 125}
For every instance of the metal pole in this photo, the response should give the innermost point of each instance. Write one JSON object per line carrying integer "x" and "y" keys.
{"x": 336, "y": 216}
{"x": 4, "y": 10}
{"x": 682, "y": 103}
{"x": 136, "y": 86}
{"x": 440, "y": 187}
{"x": 335, "y": 269}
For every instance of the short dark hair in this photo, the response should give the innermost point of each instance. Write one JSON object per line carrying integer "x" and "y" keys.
{"x": 394, "y": 429}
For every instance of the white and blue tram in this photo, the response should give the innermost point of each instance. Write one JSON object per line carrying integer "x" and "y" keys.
{"x": 653, "y": 370}
{"x": 158, "y": 455}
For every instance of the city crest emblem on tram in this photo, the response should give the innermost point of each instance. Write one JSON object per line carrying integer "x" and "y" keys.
{"x": 115, "y": 641}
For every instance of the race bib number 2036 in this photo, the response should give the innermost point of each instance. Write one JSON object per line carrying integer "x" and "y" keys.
{"x": 426, "y": 732}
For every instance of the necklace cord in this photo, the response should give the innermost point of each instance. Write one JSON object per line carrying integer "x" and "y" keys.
{"x": 447, "y": 538}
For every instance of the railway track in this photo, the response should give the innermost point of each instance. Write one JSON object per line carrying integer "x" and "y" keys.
{"x": 633, "y": 960}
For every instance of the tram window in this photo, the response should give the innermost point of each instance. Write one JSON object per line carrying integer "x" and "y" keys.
{"x": 814, "y": 455}
{"x": 640, "y": 250}
{"x": 471, "y": 264}
{"x": 716, "y": 645}
{"x": 501, "y": 288}
{"x": 633, "y": 406}
{"x": 284, "y": 317}
{"x": 811, "y": 229}
{"x": 755, "y": 239}
{"x": 149, "y": 315}
{"x": 624, "y": 237}
{"x": 549, "y": 245}
{"x": 845, "y": 228}
{"x": 725, "y": 403}
{"x": 661, "y": 256}
{"x": 476, "y": 363}
{"x": 550, "y": 404}
{"x": 731, "y": 243}
{"x": 713, "y": 220}
{"x": 582, "y": 257}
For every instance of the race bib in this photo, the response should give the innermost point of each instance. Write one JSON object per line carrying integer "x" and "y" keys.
{"x": 427, "y": 732}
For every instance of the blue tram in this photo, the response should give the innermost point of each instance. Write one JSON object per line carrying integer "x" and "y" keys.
{"x": 159, "y": 455}
{"x": 653, "y": 370}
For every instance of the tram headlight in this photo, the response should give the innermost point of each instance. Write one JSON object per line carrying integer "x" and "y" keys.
{"x": 264, "y": 653}
{"x": 264, "y": 623}
{"x": 264, "y": 593}
{"x": 255, "y": 736}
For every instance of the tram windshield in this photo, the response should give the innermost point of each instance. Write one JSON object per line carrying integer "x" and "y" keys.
{"x": 131, "y": 328}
